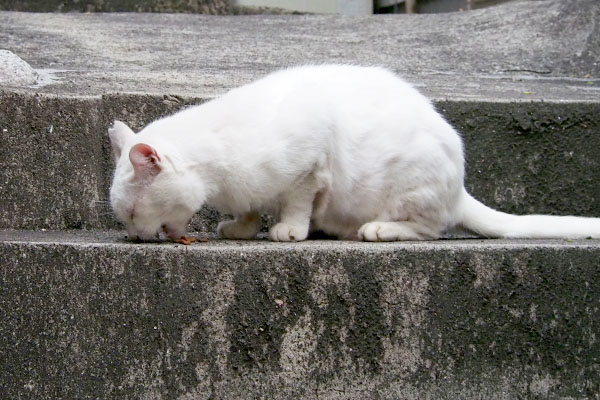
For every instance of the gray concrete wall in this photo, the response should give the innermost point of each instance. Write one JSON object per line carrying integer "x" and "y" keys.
{"x": 188, "y": 6}
{"x": 56, "y": 161}
{"x": 85, "y": 316}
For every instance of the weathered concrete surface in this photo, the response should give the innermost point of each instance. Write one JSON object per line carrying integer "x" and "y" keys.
{"x": 190, "y": 6}
{"x": 213, "y": 7}
{"x": 85, "y": 315}
{"x": 56, "y": 164}
{"x": 521, "y": 50}
{"x": 531, "y": 158}
{"x": 55, "y": 157}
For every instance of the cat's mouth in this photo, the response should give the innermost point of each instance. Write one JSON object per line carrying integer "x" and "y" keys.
{"x": 144, "y": 238}
{"x": 165, "y": 230}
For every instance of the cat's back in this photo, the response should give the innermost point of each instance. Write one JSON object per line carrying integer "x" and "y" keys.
{"x": 334, "y": 79}
{"x": 313, "y": 89}
{"x": 329, "y": 91}
{"x": 301, "y": 103}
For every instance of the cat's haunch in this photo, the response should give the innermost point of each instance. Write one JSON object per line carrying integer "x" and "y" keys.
{"x": 355, "y": 152}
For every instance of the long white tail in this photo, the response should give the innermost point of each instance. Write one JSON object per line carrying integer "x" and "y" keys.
{"x": 488, "y": 222}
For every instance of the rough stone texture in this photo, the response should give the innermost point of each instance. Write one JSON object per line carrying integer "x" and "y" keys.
{"x": 528, "y": 158}
{"x": 189, "y": 6}
{"x": 88, "y": 316}
{"x": 523, "y": 50}
{"x": 50, "y": 158}
{"x": 56, "y": 160}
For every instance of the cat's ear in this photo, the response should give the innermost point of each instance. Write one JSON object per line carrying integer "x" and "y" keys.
{"x": 119, "y": 133}
{"x": 145, "y": 160}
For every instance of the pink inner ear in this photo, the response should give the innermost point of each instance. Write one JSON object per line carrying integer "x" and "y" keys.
{"x": 145, "y": 159}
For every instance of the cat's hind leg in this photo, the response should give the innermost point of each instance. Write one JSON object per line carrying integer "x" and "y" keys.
{"x": 387, "y": 231}
{"x": 243, "y": 227}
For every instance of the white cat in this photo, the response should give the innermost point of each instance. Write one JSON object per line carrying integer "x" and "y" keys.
{"x": 355, "y": 152}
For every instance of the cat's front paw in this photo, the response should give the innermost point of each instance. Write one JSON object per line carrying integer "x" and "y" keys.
{"x": 380, "y": 231}
{"x": 283, "y": 232}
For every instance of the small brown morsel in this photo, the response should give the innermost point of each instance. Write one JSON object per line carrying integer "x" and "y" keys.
{"x": 186, "y": 240}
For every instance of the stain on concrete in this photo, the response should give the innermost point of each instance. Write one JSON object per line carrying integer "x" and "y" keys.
{"x": 50, "y": 175}
{"x": 533, "y": 311}
{"x": 260, "y": 322}
{"x": 530, "y": 157}
{"x": 447, "y": 320}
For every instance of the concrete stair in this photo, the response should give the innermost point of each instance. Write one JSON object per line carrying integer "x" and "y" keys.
{"x": 86, "y": 314}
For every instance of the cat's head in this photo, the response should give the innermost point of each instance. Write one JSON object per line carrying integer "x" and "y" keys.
{"x": 149, "y": 192}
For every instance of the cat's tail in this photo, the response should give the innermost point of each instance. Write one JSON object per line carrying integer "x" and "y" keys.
{"x": 490, "y": 223}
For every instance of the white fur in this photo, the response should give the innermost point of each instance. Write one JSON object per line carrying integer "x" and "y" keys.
{"x": 353, "y": 151}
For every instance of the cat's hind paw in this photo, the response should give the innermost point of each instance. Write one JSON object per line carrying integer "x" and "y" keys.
{"x": 378, "y": 231}
{"x": 370, "y": 232}
{"x": 282, "y": 232}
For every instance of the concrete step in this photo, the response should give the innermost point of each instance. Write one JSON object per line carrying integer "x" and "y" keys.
{"x": 87, "y": 315}
{"x": 56, "y": 163}
{"x": 529, "y": 119}
{"x": 519, "y": 51}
